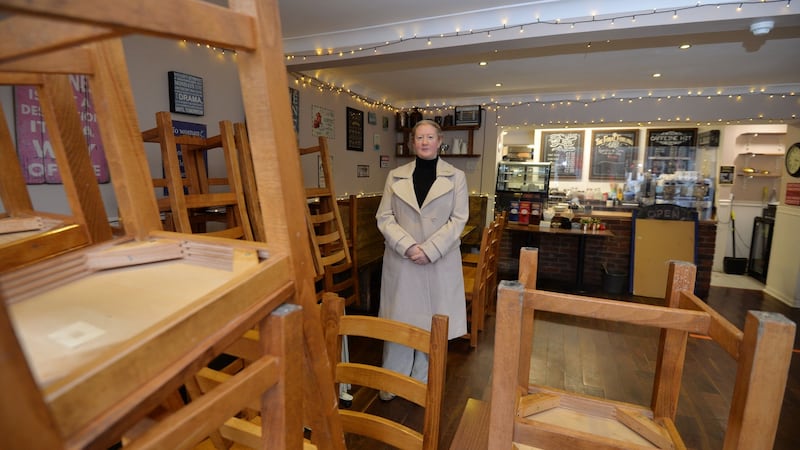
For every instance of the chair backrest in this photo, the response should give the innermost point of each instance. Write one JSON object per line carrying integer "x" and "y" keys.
{"x": 762, "y": 350}
{"x": 427, "y": 395}
{"x": 27, "y": 234}
{"x": 326, "y": 232}
{"x": 476, "y": 286}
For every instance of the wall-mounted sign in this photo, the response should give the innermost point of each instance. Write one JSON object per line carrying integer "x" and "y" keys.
{"x": 564, "y": 151}
{"x": 34, "y": 147}
{"x": 322, "y": 122}
{"x": 185, "y": 94}
{"x": 726, "y": 174}
{"x": 614, "y": 154}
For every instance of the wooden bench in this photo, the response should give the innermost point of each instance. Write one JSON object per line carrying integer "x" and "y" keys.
{"x": 364, "y": 239}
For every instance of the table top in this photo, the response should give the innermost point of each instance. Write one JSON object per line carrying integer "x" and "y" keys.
{"x": 549, "y": 230}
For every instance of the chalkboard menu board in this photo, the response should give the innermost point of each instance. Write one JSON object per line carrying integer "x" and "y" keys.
{"x": 564, "y": 151}
{"x": 614, "y": 154}
{"x": 670, "y": 150}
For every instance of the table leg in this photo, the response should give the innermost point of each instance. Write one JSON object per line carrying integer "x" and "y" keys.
{"x": 579, "y": 266}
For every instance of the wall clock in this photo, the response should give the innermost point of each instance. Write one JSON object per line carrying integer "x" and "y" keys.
{"x": 792, "y": 160}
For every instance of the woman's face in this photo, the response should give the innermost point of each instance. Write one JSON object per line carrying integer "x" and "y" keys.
{"x": 426, "y": 142}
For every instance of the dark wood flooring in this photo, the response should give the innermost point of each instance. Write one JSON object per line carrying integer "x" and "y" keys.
{"x": 603, "y": 359}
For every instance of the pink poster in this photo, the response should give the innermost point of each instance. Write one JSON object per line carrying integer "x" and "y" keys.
{"x": 33, "y": 143}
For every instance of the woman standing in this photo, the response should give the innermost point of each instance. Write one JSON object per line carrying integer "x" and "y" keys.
{"x": 423, "y": 211}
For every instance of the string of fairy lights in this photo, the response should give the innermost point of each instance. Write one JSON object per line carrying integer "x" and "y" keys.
{"x": 305, "y": 81}
{"x": 553, "y": 104}
{"x": 431, "y": 39}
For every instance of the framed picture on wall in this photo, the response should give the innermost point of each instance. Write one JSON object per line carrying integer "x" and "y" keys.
{"x": 355, "y": 129}
{"x": 362, "y": 171}
{"x": 372, "y": 118}
{"x": 564, "y": 151}
{"x": 614, "y": 154}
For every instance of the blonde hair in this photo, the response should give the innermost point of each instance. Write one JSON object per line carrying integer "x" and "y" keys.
{"x": 435, "y": 125}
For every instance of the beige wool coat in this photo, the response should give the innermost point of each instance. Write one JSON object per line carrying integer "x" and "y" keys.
{"x": 412, "y": 293}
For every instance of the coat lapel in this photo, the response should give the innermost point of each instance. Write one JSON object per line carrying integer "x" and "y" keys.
{"x": 404, "y": 185}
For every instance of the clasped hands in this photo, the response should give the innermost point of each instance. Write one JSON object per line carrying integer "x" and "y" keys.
{"x": 417, "y": 256}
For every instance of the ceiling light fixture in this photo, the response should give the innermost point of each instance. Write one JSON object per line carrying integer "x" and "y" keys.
{"x": 656, "y": 75}
{"x": 761, "y": 27}
{"x": 685, "y": 46}
{"x": 482, "y": 63}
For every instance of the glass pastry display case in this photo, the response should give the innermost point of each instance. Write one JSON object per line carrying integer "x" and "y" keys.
{"x": 522, "y": 181}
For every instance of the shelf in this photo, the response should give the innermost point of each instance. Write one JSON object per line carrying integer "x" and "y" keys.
{"x": 758, "y": 175}
{"x": 669, "y": 158}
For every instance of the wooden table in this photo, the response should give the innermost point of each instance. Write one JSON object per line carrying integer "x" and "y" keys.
{"x": 580, "y": 234}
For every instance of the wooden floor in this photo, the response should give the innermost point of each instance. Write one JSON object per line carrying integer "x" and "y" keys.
{"x": 604, "y": 359}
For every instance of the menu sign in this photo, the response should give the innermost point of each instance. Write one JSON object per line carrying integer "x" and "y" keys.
{"x": 671, "y": 150}
{"x": 614, "y": 154}
{"x": 564, "y": 152}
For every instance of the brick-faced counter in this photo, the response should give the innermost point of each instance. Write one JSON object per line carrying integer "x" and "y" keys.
{"x": 557, "y": 253}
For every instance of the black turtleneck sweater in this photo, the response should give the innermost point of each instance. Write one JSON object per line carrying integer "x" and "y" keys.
{"x": 424, "y": 176}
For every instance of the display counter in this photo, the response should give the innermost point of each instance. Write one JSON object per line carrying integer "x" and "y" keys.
{"x": 557, "y": 252}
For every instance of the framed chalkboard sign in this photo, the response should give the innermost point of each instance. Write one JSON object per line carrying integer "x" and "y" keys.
{"x": 670, "y": 150}
{"x": 355, "y": 129}
{"x": 185, "y": 93}
{"x": 614, "y": 154}
{"x": 564, "y": 151}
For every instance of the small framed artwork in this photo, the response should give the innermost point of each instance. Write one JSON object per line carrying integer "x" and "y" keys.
{"x": 726, "y": 174}
{"x": 384, "y": 161}
{"x": 372, "y": 118}
{"x": 355, "y": 129}
{"x": 362, "y": 171}
{"x": 385, "y": 122}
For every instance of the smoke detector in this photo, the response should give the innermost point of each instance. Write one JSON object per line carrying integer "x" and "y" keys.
{"x": 761, "y": 27}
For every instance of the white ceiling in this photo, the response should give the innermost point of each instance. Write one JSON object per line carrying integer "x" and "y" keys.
{"x": 613, "y": 48}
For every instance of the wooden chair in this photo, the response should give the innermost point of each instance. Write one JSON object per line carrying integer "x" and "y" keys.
{"x": 429, "y": 396}
{"x": 548, "y": 418}
{"x": 328, "y": 238}
{"x": 193, "y": 201}
{"x": 476, "y": 284}
{"x": 214, "y": 290}
{"x": 27, "y": 234}
{"x": 499, "y": 224}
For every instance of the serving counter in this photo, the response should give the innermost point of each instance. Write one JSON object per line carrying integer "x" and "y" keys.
{"x": 564, "y": 262}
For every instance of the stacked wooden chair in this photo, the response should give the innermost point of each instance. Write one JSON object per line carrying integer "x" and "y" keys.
{"x": 549, "y": 418}
{"x": 480, "y": 279}
{"x": 130, "y": 319}
{"x": 328, "y": 238}
{"x": 195, "y": 201}
{"x": 426, "y": 395}
{"x": 28, "y": 234}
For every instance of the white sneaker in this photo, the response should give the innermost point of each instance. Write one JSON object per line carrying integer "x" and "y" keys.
{"x": 386, "y": 396}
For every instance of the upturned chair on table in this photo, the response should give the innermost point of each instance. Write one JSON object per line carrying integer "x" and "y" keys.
{"x": 192, "y": 203}
{"x": 548, "y": 418}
